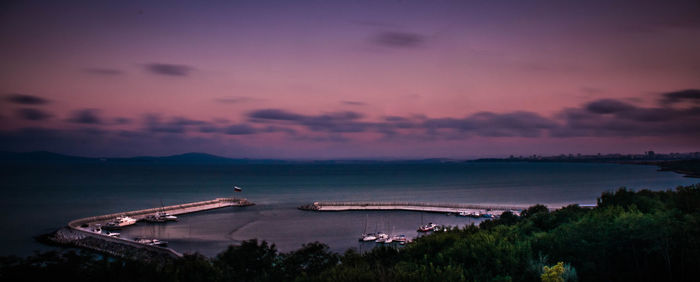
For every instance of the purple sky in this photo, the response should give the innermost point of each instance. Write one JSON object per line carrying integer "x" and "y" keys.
{"x": 349, "y": 79}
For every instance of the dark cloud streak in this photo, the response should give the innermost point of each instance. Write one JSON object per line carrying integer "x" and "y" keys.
{"x": 688, "y": 95}
{"x": 85, "y": 116}
{"x": 26, "y": 99}
{"x": 395, "y": 39}
{"x": 169, "y": 69}
{"x": 353, "y": 103}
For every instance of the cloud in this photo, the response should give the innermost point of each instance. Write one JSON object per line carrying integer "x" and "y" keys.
{"x": 515, "y": 124}
{"x": 26, "y": 99}
{"x": 688, "y": 95}
{"x": 275, "y": 114}
{"x": 329, "y": 122}
{"x": 169, "y": 69}
{"x": 236, "y": 100}
{"x": 613, "y": 118}
{"x": 85, "y": 116}
{"x": 353, "y": 103}
{"x": 608, "y": 106}
{"x": 602, "y": 118}
{"x": 32, "y": 114}
{"x": 396, "y": 39}
{"x": 240, "y": 129}
{"x": 104, "y": 71}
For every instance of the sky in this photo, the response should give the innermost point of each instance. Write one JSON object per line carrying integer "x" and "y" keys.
{"x": 349, "y": 79}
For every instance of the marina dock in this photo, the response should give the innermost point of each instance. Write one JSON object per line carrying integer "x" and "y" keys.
{"x": 78, "y": 232}
{"x": 413, "y": 206}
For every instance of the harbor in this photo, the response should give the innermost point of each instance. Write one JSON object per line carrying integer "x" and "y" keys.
{"x": 450, "y": 208}
{"x": 87, "y": 232}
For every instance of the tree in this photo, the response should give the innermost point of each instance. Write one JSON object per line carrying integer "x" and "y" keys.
{"x": 554, "y": 273}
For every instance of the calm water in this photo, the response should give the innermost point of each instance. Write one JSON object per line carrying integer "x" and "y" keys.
{"x": 40, "y": 198}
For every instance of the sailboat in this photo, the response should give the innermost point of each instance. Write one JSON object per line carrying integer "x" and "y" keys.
{"x": 426, "y": 228}
{"x": 367, "y": 237}
{"x": 160, "y": 216}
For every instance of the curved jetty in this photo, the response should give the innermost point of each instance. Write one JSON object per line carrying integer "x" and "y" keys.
{"x": 79, "y": 232}
{"x": 411, "y": 206}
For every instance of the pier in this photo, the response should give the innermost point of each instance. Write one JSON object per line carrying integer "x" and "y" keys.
{"x": 413, "y": 206}
{"x": 79, "y": 233}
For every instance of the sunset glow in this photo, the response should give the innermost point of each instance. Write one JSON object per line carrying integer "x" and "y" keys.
{"x": 349, "y": 79}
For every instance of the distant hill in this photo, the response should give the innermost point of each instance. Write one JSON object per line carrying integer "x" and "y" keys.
{"x": 41, "y": 156}
{"x": 194, "y": 158}
{"x": 197, "y": 158}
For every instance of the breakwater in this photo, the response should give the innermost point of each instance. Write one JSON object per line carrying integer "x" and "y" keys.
{"x": 413, "y": 206}
{"x": 79, "y": 232}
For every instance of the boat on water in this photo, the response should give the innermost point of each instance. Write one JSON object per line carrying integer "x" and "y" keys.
{"x": 368, "y": 237}
{"x": 160, "y": 216}
{"x": 156, "y": 242}
{"x": 113, "y": 234}
{"x": 151, "y": 242}
{"x": 400, "y": 238}
{"x": 120, "y": 222}
{"x": 382, "y": 237}
{"x": 237, "y": 189}
{"x": 428, "y": 227}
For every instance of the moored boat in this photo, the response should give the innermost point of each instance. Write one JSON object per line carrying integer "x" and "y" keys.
{"x": 368, "y": 237}
{"x": 381, "y": 237}
{"x": 120, "y": 222}
{"x": 427, "y": 228}
{"x": 160, "y": 216}
{"x": 151, "y": 242}
{"x": 399, "y": 238}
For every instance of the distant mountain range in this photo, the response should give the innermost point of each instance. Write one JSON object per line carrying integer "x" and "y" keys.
{"x": 202, "y": 158}
{"x": 190, "y": 158}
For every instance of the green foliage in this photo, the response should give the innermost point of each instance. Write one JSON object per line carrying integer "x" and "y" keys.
{"x": 554, "y": 273}
{"x": 629, "y": 236}
{"x": 248, "y": 262}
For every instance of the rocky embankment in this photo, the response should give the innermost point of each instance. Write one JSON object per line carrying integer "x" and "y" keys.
{"x": 66, "y": 236}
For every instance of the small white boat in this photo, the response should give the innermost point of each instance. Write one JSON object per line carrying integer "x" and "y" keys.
{"x": 151, "y": 242}
{"x": 399, "y": 238}
{"x": 160, "y": 216}
{"x": 428, "y": 227}
{"x": 120, "y": 222}
{"x": 368, "y": 237}
{"x": 156, "y": 242}
{"x": 113, "y": 234}
{"x": 381, "y": 237}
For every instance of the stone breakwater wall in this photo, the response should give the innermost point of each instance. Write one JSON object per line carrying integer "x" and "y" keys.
{"x": 174, "y": 210}
{"x": 75, "y": 234}
{"x": 412, "y": 206}
{"x": 113, "y": 246}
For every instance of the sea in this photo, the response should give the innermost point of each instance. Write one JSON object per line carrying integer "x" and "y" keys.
{"x": 39, "y": 198}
